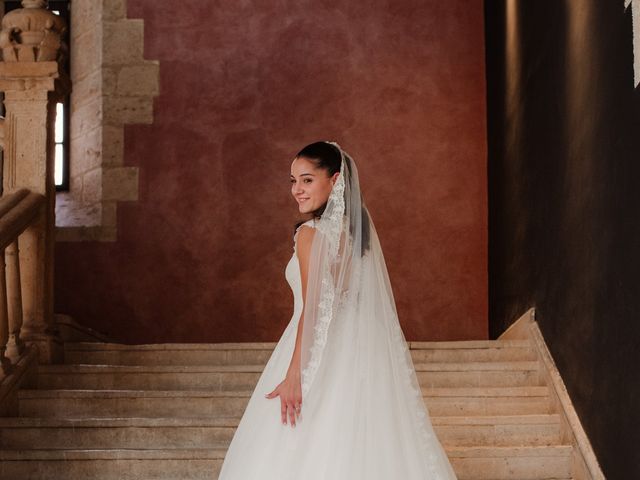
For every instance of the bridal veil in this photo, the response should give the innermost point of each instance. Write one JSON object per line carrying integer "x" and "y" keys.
{"x": 349, "y": 294}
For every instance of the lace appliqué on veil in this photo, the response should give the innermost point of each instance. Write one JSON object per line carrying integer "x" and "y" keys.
{"x": 330, "y": 226}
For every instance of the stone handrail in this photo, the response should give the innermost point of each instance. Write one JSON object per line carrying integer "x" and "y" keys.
{"x": 19, "y": 212}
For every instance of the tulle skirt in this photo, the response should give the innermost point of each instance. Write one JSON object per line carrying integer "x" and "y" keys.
{"x": 359, "y": 420}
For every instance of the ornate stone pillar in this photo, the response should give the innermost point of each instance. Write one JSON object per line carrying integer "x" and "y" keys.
{"x": 33, "y": 81}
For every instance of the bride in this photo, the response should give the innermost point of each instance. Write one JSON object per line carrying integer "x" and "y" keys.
{"x": 350, "y": 406}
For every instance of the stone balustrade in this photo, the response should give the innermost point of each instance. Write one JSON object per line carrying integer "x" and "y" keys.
{"x": 19, "y": 215}
{"x": 33, "y": 80}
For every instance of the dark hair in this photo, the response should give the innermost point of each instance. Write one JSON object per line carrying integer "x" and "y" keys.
{"x": 327, "y": 156}
{"x": 323, "y": 155}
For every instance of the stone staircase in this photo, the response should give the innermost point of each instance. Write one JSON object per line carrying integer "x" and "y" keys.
{"x": 168, "y": 411}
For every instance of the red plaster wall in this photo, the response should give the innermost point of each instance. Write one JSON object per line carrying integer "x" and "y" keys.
{"x": 244, "y": 85}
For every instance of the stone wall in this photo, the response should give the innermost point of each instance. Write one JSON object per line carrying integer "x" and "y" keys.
{"x": 200, "y": 255}
{"x": 564, "y": 170}
{"x": 113, "y": 85}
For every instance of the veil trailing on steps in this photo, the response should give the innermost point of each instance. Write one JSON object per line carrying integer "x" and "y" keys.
{"x": 349, "y": 296}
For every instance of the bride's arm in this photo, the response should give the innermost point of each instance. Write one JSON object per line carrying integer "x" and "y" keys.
{"x": 290, "y": 390}
{"x": 303, "y": 248}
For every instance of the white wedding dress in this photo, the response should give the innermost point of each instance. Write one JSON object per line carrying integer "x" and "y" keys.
{"x": 356, "y": 423}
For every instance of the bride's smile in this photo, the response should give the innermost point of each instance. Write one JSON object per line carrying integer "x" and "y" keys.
{"x": 310, "y": 185}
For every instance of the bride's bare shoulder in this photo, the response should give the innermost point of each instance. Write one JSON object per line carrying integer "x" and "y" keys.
{"x": 303, "y": 237}
{"x": 309, "y": 224}
{"x": 304, "y": 232}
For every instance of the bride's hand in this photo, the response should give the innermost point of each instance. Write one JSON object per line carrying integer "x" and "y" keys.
{"x": 290, "y": 393}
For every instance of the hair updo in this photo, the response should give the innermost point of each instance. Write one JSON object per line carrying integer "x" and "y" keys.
{"x": 323, "y": 155}
{"x": 327, "y": 156}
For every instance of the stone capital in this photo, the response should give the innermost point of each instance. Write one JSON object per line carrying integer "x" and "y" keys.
{"x": 33, "y": 34}
{"x": 30, "y": 78}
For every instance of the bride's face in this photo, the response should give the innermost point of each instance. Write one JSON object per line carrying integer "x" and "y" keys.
{"x": 310, "y": 186}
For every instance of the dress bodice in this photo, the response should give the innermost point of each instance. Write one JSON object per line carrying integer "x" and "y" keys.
{"x": 292, "y": 274}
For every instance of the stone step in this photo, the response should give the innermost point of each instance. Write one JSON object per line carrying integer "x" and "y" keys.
{"x": 440, "y": 401}
{"x": 521, "y": 351}
{"x": 241, "y": 377}
{"x": 479, "y": 374}
{"x": 146, "y": 377}
{"x": 97, "y": 353}
{"x": 487, "y": 401}
{"x": 210, "y": 432}
{"x": 470, "y": 463}
{"x": 499, "y": 430}
{"x": 506, "y": 463}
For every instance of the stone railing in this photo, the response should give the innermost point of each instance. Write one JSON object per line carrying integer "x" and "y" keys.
{"x": 19, "y": 215}
{"x": 33, "y": 80}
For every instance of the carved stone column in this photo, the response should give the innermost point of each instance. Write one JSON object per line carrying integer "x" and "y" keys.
{"x": 33, "y": 81}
